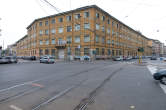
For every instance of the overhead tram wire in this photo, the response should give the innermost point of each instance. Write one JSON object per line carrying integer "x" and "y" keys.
{"x": 52, "y": 6}
{"x": 42, "y": 7}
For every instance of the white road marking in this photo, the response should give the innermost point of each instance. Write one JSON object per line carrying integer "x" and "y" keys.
{"x": 152, "y": 70}
{"x": 22, "y": 84}
{"x": 15, "y": 107}
{"x": 163, "y": 87}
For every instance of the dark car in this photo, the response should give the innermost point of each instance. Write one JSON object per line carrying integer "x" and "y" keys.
{"x": 161, "y": 76}
{"x": 153, "y": 58}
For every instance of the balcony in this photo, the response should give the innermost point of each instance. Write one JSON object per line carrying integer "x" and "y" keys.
{"x": 61, "y": 44}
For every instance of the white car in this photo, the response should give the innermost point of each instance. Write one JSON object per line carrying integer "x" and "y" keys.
{"x": 118, "y": 58}
{"x": 47, "y": 59}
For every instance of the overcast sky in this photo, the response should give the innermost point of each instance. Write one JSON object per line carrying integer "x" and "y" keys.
{"x": 148, "y": 16}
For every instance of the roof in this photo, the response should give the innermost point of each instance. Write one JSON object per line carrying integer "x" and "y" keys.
{"x": 84, "y": 8}
{"x": 22, "y": 38}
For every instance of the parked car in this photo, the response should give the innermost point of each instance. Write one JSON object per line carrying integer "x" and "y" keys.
{"x": 4, "y": 60}
{"x": 153, "y": 58}
{"x": 47, "y": 59}
{"x": 129, "y": 58}
{"x": 161, "y": 76}
{"x": 29, "y": 57}
{"x": 118, "y": 58}
{"x": 11, "y": 59}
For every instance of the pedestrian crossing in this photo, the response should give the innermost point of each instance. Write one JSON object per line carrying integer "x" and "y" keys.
{"x": 153, "y": 69}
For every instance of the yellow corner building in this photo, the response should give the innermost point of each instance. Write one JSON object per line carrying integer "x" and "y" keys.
{"x": 87, "y": 31}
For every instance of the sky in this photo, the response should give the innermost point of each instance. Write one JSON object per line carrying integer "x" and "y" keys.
{"x": 147, "y": 16}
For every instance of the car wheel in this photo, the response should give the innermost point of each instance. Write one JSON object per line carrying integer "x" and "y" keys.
{"x": 163, "y": 80}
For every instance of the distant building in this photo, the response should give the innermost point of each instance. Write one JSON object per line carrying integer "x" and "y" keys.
{"x": 157, "y": 48}
{"x": 11, "y": 50}
{"x": 164, "y": 51}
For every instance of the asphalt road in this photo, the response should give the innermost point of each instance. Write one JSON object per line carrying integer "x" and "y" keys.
{"x": 100, "y": 85}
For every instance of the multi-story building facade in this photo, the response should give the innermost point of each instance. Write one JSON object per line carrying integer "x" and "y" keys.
{"x": 84, "y": 31}
{"x": 11, "y": 50}
{"x": 157, "y": 48}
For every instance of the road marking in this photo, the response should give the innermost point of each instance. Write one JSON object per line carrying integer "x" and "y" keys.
{"x": 15, "y": 107}
{"x": 25, "y": 83}
{"x": 38, "y": 85}
{"x": 152, "y": 70}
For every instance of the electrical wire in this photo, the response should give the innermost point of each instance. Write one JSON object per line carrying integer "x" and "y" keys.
{"x": 41, "y": 7}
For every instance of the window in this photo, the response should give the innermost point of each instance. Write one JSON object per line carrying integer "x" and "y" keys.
{"x": 53, "y": 41}
{"x": 77, "y": 52}
{"x": 68, "y": 18}
{"x": 97, "y": 15}
{"x": 112, "y": 23}
{"x": 53, "y": 21}
{"x": 60, "y": 30}
{"x": 60, "y": 41}
{"x": 108, "y": 21}
{"x": 46, "y": 32}
{"x": 108, "y": 42}
{"x": 103, "y": 18}
{"x": 86, "y": 26}
{"x": 41, "y": 32}
{"x": 117, "y": 26}
{"x": 60, "y": 20}
{"x": 47, "y": 42}
{"x": 108, "y": 52}
{"x": 97, "y": 51}
{"x": 86, "y": 51}
{"x": 113, "y": 33}
{"x": 46, "y": 52}
{"x": 69, "y": 28}
{"x": 41, "y": 52}
{"x": 40, "y": 23}
{"x": 41, "y": 42}
{"x": 97, "y": 26}
{"x": 53, "y": 31}
{"x": 77, "y": 27}
{"x": 102, "y": 28}
{"x": 69, "y": 40}
{"x": 102, "y": 51}
{"x": 103, "y": 40}
{"x": 112, "y": 42}
{"x": 113, "y": 53}
{"x": 97, "y": 38}
{"x": 77, "y": 39}
{"x": 77, "y": 16}
{"x": 53, "y": 52}
{"x": 108, "y": 31}
{"x": 86, "y": 14}
{"x": 86, "y": 38}
{"x": 46, "y": 23}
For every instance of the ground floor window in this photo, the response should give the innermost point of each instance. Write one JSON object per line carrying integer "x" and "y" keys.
{"x": 77, "y": 52}
{"x": 102, "y": 51}
{"x": 46, "y": 52}
{"x": 97, "y": 51}
{"x": 53, "y": 52}
{"x": 113, "y": 54}
{"x": 117, "y": 52}
{"x": 40, "y": 52}
{"x": 86, "y": 51}
{"x": 108, "y": 52}
{"x": 120, "y": 53}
